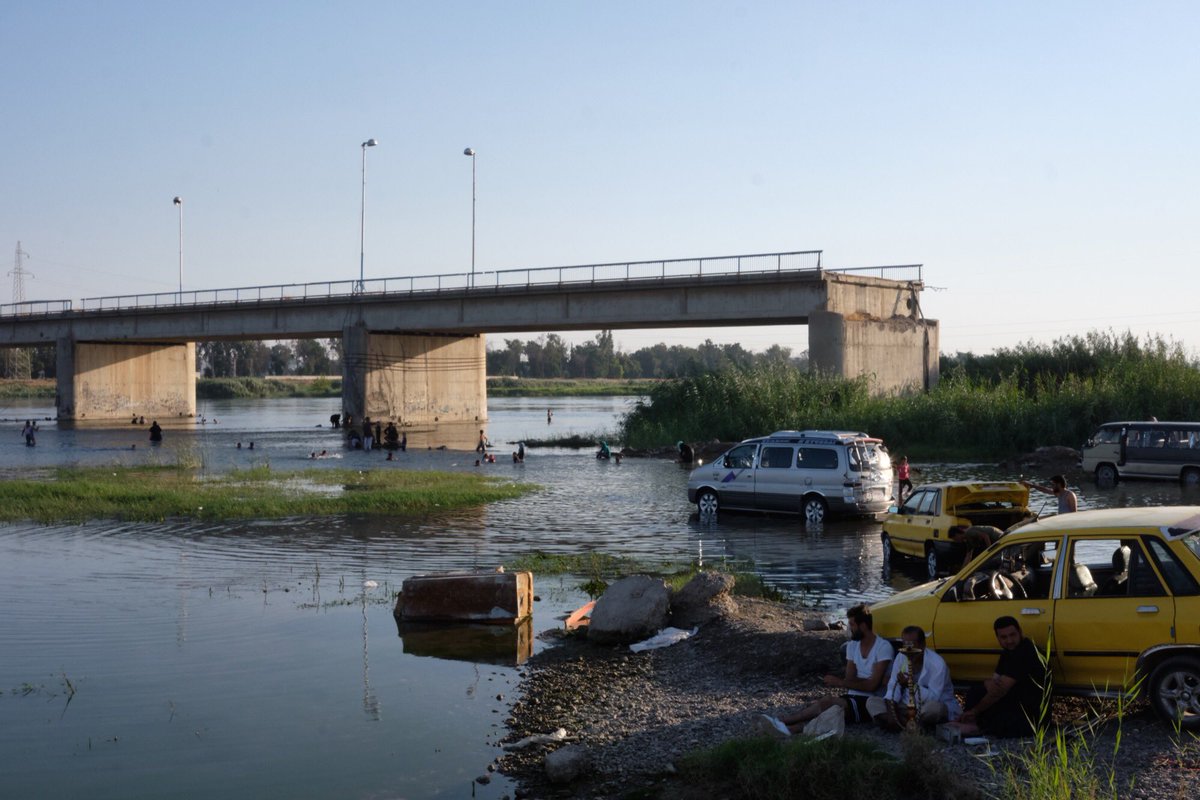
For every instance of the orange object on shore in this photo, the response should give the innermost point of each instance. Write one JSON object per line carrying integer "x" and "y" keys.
{"x": 580, "y": 617}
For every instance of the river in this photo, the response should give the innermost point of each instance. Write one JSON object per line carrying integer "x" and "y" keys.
{"x": 260, "y": 658}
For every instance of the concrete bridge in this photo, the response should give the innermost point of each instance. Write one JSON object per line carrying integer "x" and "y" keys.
{"x": 413, "y": 347}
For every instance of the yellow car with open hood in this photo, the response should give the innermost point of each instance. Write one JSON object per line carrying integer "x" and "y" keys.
{"x": 1119, "y": 588}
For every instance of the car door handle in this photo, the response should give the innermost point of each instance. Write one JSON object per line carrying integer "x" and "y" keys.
{"x": 1147, "y": 609}
{"x": 1030, "y": 612}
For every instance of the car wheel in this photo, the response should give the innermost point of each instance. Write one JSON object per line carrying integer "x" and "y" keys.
{"x": 708, "y": 503}
{"x": 1190, "y": 478}
{"x": 814, "y": 510}
{"x": 1175, "y": 691}
{"x": 889, "y": 553}
{"x": 931, "y": 561}
{"x": 1106, "y": 474}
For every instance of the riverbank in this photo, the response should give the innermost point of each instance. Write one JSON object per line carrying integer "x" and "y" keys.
{"x": 639, "y": 715}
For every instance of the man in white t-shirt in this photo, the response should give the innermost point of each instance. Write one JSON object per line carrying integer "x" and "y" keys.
{"x": 868, "y": 662}
{"x": 934, "y": 699}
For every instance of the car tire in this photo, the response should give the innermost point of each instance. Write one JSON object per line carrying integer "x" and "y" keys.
{"x": 814, "y": 510}
{"x": 890, "y": 555}
{"x": 707, "y": 503}
{"x": 1190, "y": 478}
{"x": 931, "y": 561}
{"x": 1106, "y": 475}
{"x": 1175, "y": 691}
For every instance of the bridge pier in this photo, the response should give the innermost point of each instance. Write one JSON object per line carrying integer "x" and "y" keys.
{"x": 898, "y": 353}
{"x": 416, "y": 379}
{"x": 119, "y": 380}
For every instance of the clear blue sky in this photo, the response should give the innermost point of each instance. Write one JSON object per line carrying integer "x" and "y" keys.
{"x": 1040, "y": 159}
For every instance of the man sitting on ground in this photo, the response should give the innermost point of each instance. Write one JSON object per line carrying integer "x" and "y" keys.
{"x": 868, "y": 659}
{"x": 1008, "y": 704}
{"x": 933, "y": 700}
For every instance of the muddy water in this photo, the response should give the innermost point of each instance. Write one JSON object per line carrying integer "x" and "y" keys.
{"x": 257, "y": 658}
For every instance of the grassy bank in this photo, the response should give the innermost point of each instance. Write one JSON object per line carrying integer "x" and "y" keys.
{"x": 229, "y": 388}
{"x": 43, "y": 388}
{"x": 1012, "y": 403}
{"x": 567, "y": 387}
{"x": 159, "y": 493}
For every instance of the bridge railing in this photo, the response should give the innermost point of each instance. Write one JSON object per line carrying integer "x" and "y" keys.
{"x": 29, "y": 308}
{"x": 483, "y": 281}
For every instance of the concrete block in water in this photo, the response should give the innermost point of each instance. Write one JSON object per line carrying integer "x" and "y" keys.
{"x": 493, "y": 597}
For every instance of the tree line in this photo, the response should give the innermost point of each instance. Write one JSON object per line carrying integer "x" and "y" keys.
{"x": 547, "y": 356}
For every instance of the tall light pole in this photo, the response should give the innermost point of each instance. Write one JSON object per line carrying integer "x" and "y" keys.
{"x": 362, "y": 216}
{"x": 470, "y": 152}
{"x": 179, "y": 202}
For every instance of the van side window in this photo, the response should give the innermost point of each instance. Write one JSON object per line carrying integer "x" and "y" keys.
{"x": 741, "y": 457}
{"x": 1108, "y": 436}
{"x": 816, "y": 458}
{"x": 776, "y": 458}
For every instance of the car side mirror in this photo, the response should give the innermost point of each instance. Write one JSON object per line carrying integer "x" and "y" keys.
{"x": 893, "y": 509}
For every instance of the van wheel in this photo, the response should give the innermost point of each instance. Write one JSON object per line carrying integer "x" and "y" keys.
{"x": 931, "y": 561}
{"x": 814, "y": 510}
{"x": 1175, "y": 691}
{"x": 1190, "y": 477}
{"x": 708, "y": 503}
{"x": 889, "y": 553}
{"x": 1106, "y": 474}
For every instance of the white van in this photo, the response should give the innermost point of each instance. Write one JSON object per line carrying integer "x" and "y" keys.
{"x": 1168, "y": 450}
{"x": 813, "y": 473}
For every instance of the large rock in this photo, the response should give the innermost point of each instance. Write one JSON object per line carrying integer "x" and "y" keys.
{"x": 567, "y": 763}
{"x": 704, "y": 598}
{"x": 632, "y": 609}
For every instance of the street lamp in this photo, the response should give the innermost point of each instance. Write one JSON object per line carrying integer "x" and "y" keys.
{"x": 470, "y": 152}
{"x": 362, "y": 217}
{"x": 179, "y": 202}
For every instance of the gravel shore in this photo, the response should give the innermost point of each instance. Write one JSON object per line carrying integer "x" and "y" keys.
{"x": 638, "y": 714}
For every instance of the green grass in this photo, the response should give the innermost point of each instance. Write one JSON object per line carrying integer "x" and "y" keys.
{"x": 159, "y": 493}
{"x": 40, "y": 388}
{"x": 230, "y": 388}
{"x": 989, "y": 407}
{"x": 575, "y": 440}
{"x": 566, "y": 387}
{"x": 833, "y": 769}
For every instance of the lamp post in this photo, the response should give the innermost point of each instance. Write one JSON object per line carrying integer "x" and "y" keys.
{"x": 471, "y": 152}
{"x": 179, "y": 202}
{"x": 362, "y": 216}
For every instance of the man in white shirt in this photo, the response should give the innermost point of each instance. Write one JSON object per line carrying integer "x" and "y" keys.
{"x": 868, "y": 660}
{"x": 920, "y": 668}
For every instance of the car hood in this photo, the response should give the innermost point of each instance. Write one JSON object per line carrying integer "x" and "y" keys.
{"x": 915, "y": 606}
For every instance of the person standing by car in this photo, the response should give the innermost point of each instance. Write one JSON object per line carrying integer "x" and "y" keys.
{"x": 868, "y": 664}
{"x": 903, "y": 480}
{"x": 1009, "y": 703}
{"x": 1067, "y": 501}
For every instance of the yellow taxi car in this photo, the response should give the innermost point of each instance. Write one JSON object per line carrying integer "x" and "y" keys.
{"x": 920, "y": 527}
{"x": 1120, "y": 588}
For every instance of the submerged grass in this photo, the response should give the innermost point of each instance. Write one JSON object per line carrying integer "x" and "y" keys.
{"x": 602, "y": 568}
{"x": 159, "y": 493}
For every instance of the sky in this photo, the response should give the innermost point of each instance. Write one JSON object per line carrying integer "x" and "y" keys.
{"x": 1038, "y": 159}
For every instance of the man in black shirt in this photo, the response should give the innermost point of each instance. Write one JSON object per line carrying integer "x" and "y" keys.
{"x": 1009, "y": 703}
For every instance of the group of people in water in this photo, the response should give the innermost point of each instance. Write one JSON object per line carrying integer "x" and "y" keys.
{"x": 914, "y": 688}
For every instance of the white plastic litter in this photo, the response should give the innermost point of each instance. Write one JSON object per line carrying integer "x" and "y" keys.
{"x": 538, "y": 738}
{"x": 370, "y": 584}
{"x": 664, "y": 638}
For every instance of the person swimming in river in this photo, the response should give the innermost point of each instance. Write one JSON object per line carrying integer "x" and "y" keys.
{"x": 603, "y": 453}
{"x": 155, "y": 432}
{"x": 483, "y": 443}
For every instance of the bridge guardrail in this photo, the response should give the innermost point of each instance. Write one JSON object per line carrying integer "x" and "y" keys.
{"x": 493, "y": 280}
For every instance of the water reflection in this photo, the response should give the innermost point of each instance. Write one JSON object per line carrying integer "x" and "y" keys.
{"x": 507, "y": 645}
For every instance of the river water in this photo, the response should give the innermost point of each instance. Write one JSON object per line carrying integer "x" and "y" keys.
{"x": 260, "y": 658}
